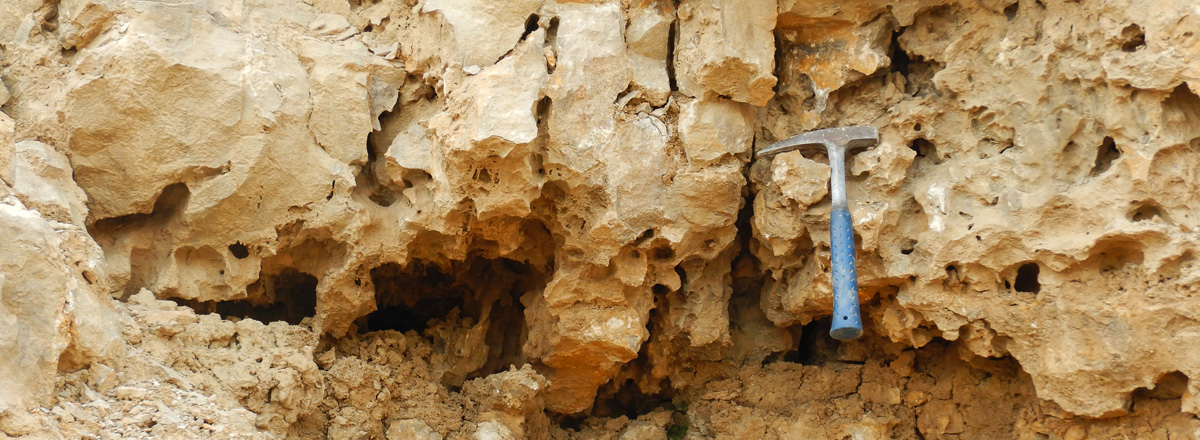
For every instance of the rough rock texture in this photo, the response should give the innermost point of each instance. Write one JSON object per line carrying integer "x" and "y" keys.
{"x": 541, "y": 219}
{"x": 55, "y": 315}
{"x": 1036, "y": 207}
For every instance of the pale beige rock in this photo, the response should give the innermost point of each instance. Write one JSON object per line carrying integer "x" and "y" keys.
{"x": 801, "y": 180}
{"x": 801, "y": 13}
{"x": 339, "y": 80}
{"x": 991, "y": 191}
{"x": 647, "y": 36}
{"x": 41, "y": 178}
{"x": 80, "y": 21}
{"x": 37, "y": 307}
{"x": 484, "y": 30}
{"x": 17, "y": 20}
{"x": 278, "y": 151}
{"x": 716, "y": 129}
{"x": 52, "y": 299}
{"x": 726, "y": 48}
{"x": 8, "y": 150}
{"x": 643, "y": 431}
{"x": 833, "y": 55}
{"x": 30, "y": 327}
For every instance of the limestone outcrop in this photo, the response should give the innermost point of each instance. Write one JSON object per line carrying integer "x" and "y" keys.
{"x": 555, "y": 208}
{"x": 55, "y": 312}
{"x": 1023, "y": 208}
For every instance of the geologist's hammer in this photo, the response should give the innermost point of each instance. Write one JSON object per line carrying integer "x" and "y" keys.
{"x": 838, "y": 144}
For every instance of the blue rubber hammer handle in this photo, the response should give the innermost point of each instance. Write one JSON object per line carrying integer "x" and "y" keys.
{"x": 847, "y": 322}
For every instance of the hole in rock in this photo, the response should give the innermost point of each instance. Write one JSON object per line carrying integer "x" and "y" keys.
{"x": 924, "y": 149}
{"x": 660, "y": 289}
{"x": 543, "y": 112}
{"x": 483, "y": 175}
{"x": 552, "y": 30}
{"x": 671, "y": 33}
{"x": 407, "y": 298}
{"x": 143, "y": 264}
{"x": 900, "y": 60}
{"x": 631, "y": 393}
{"x": 1133, "y": 38}
{"x": 1170, "y": 386}
{"x": 172, "y": 197}
{"x": 630, "y": 400}
{"x": 289, "y": 296}
{"x": 1115, "y": 253}
{"x": 816, "y": 346}
{"x": 908, "y": 246}
{"x": 531, "y": 24}
{"x": 1027, "y": 278}
{"x": 1011, "y": 11}
{"x": 1145, "y": 211}
{"x": 663, "y": 253}
{"x": 372, "y": 182}
{"x": 568, "y": 422}
{"x": 1183, "y": 105}
{"x": 239, "y": 250}
{"x": 646, "y": 235}
{"x": 917, "y": 127}
{"x": 455, "y": 304}
{"x": 1105, "y": 155}
{"x": 1174, "y": 267}
{"x": 952, "y": 273}
{"x": 682, "y": 275}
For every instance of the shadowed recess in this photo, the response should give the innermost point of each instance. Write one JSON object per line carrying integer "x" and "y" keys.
{"x": 479, "y": 293}
{"x": 1027, "y": 278}
{"x": 407, "y": 298}
{"x": 291, "y": 297}
{"x": 816, "y": 346}
{"x": 1105, "y": 155}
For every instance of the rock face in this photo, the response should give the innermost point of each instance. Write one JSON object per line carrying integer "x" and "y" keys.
{"x": 1006, "y": 204}
{"x": 558, "y": 203}
{"x": 54, "y": 309}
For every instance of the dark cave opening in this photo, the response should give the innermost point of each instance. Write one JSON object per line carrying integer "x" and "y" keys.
{"x": 291, "y": 297}
{"x": 631, "y": 401}
{"x": 429, "y": 298}
{"x": 900, "y": 58}
{"x": 1027, "y": 278}
{"x": 816, "y": 346}
{"x": 407, "y": 298}
{"x": 239, "y": 250}
{"x": 1106, "y": 154}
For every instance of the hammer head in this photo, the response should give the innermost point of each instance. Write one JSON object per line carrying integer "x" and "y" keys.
{"x": 838, "y": 142}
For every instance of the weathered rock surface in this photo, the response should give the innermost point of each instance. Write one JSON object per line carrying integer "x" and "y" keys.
{"x": 1038, "y": 190}
{"x": 54, "y": 310}
{"x": 532, "y": 207}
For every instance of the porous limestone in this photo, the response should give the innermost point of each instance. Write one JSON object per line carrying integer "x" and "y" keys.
{"x": 554, "y": 207}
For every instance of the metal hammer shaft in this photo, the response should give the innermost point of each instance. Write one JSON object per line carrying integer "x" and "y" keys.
{"x": 847, "y": 321}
